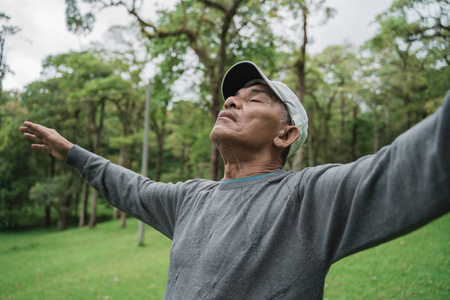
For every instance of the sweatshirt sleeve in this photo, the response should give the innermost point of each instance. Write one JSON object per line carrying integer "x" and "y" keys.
{"x": 152, "y": 202}
{"x": 352, "y": 207}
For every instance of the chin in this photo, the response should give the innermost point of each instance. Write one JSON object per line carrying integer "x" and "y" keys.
{"x": 218, "y": 136}
{"x": 215, "y": 138}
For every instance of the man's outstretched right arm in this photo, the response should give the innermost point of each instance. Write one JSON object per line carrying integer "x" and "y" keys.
{"x": 153, "y": 203}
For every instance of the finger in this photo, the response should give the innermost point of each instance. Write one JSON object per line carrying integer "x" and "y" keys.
{"x": 36, "y": 129}
{"x": 28, "y": 127}
{"x": 26, "y": 130}
{"x": 39, "y": 147}
{"x": 29, "y": 124}
{"x": 29, "y": 136}
{"x": 33, "y": 138}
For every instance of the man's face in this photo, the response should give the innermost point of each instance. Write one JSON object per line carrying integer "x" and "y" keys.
{"x": 250, "y": 120}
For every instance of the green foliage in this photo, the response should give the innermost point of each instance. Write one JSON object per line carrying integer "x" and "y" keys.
{"x": 358, "y": 100}
{"x": 189, "y": 140}
{"x": 18, "y": 171}
{"x": 5, "y": 31}
{"x": 57, "y": 192}
{"x": 411, "y": 44}
{"x": 76, "y": 21}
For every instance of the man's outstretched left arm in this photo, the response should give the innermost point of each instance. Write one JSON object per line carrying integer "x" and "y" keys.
{"x": 382, "y": 196}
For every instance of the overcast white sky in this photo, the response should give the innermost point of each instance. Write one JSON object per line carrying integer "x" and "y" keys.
{"x": 44, "y": 31}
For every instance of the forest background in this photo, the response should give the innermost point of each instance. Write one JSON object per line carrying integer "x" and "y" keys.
{"x": 358, "y": 98}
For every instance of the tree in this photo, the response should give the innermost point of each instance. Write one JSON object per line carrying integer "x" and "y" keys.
{"x": 423, "y": 21}
{"x": 77, "y": 90}
{"x": 412, "y": 42}
{"x": 336, "y": 67}
{"x": 215, "y": 32}
{"x": 46, "y": 102}
{"x": 297, "y": 55}
{"x": 58, "y": 192}
{"x": 19, "y": 168}
{"x": 302, "y": 11}
{"x": 189, "y": 139}
{"x": 129, "y": 56}
{"x": 5, "y": 31}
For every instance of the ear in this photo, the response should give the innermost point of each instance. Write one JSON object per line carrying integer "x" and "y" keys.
{"x": 286, "y": 136}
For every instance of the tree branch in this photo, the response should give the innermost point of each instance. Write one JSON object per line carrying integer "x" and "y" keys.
{"x": 215, "y": 5}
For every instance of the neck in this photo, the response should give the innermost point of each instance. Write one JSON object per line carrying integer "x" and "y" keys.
{"x": 248, "y": 165}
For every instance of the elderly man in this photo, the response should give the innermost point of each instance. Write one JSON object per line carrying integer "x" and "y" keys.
{"x": 261, "y": 232}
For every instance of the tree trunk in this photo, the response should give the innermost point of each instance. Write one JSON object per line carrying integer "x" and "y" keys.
{"x": 93, "y": 215}
{"x": 48, "y": 208}
{"x": 96, "y": 129}
{"x": 355, "y": 132}
{"x": 406, "y": 103}
{"x": 215, "y": 154}
{"x": 183, "y": 161}
{"x": 159, "y": 158}
{"x": 48, "y": 211}
{"x": 376, "y": 140}
{"x": 311, "y": 159}
{"x": 2, "y": 74}
{"x": 298, "y": 159}
{"x": 83, "y": 207}
{"x": 63, "y": 214}
{"x": 302, "y": 62}
{"x": 342, "y": 131}
{"x": 300, "y": 68}
{"x": 123, "y": 219}
{"x": 326, "y": 133}
{"x": 387, "y": 120}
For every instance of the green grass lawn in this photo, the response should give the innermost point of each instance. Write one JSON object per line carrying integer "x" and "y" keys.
{"x": 106, "y": 263}
{"x": 415, "y": 266}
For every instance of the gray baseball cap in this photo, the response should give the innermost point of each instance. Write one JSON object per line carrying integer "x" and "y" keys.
{"x": 245, "y": 71}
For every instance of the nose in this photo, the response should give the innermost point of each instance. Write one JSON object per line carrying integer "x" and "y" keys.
{"x": 232, "y": 102}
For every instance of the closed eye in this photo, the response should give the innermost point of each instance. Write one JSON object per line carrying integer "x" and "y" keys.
{"x": 254, "y": 100}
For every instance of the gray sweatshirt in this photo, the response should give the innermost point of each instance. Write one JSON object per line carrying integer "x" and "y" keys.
{"x": 276, "y": 235}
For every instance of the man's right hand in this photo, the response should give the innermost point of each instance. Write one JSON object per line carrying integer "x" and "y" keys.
{"x": 46, "y": 139}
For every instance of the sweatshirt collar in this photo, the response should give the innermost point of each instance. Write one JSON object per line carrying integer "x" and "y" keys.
{"x": 245, "y": 181}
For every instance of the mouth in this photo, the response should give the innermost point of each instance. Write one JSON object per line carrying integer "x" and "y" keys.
{"x": 226, "y": 114}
